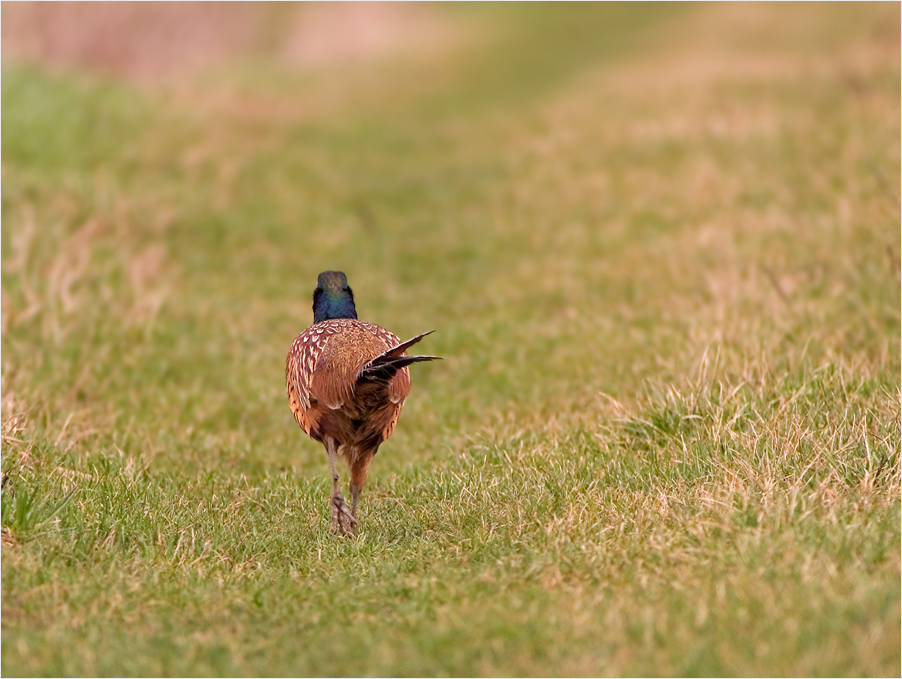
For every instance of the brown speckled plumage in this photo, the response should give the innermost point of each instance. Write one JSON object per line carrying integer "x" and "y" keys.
{"x": 347, "y": 382}
{"x": 322, "y": 370}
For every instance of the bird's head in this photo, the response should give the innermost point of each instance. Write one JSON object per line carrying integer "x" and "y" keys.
{"x": 333, "y": 297}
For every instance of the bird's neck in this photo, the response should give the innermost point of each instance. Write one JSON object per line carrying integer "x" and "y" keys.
{"x": 327, "y": 306}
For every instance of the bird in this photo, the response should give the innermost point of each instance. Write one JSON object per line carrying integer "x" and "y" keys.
{"x": 347, "y": 382}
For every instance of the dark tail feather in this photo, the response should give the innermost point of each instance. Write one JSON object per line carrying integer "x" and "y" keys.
{"x": 385, "y": 365}
{"x": 387, "y": 369}
{"x": 394, "y": 352}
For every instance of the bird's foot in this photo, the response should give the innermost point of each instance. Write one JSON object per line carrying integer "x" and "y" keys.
{"x": 343, "y": 520}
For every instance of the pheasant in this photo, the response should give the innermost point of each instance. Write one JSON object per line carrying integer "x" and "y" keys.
{"x": 347, "y": 382}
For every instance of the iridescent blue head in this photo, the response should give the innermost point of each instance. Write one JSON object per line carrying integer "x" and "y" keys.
{"x": 333, "y": 297}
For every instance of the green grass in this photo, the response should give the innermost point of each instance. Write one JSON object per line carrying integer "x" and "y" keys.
{"x": 660, "y": 249}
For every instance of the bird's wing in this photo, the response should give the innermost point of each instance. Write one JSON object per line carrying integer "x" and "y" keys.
{"x": 298, "y": 392}
{"x": 398, "y": 384}
{"x": 300, "y": 365}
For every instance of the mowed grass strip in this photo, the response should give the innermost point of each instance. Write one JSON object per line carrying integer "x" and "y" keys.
{"x": 666, "y": 436}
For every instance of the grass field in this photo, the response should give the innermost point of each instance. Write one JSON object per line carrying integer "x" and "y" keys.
{"x": 660, "y": 248}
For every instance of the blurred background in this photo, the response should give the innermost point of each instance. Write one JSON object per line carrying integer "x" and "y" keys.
{"x": 659, "y": 245}
{"x": 579, "y": 197}
{"x": 164, "y": 42}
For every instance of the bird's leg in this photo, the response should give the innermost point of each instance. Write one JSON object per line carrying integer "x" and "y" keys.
{"x": 342, "y": 519}
{"x": 359, "y": 470}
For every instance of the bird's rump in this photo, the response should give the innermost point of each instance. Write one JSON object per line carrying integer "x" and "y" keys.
{"x": 342, "y": 359}
{"x": 325, "y": 370}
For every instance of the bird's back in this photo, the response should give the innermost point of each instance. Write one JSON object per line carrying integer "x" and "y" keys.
{"x": 322, "y": 371}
